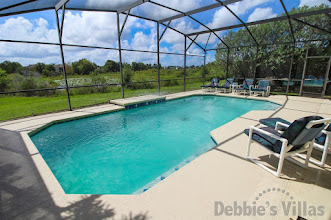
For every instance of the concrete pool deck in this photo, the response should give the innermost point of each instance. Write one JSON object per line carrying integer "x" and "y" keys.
{"x": 29, "y": 189}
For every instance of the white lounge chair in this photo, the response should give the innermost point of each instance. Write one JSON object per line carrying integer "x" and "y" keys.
{"x": 244, "y": 88}
{"x": 322, "y": 140}
{"x": 263, "y": 88}
{"x": 297, "y": 138}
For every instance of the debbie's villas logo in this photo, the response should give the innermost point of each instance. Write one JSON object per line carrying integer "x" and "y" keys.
{"x": 262, "y": 207}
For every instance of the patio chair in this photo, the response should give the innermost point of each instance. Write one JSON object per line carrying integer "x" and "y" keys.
{"x": 227, "y": 86}
{"x": 297, "y": 138}
{"x": 214, "y": 82}
{"x": 244, "y": 88}
{"x": 262, "y": 88}
{"x": 322, "y": 140}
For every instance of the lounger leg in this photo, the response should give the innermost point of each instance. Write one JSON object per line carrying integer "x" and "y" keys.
{"x": 325, "y": 150}
{"x": 280, "y": 165}
{"x": 308, "y": 154}
{"x": 281, "y": 160}
{"x": 325, "y": 153}
{"x": 249, "y": 142}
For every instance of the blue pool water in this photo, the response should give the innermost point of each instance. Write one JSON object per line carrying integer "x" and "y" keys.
{"x": 124, "y": 152}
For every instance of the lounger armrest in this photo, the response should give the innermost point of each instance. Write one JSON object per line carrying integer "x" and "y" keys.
{"x": 326, "y": 132}
{"x": 326, "y": 121}
{"x": 282, "y": 124}
{"x": 283, "y": 140}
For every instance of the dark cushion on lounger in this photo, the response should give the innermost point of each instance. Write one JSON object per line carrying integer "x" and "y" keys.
{"x": 214, "y": 82}
{"x": 247, "y": 83}
{"x": 297, "y": 134}
{"x": 258, "y": 90}
{"x": 320, "y": 139}
{"x": 271, "y": 122}
{"x": 228, "y": 83}
{"x": 267, "y": 141}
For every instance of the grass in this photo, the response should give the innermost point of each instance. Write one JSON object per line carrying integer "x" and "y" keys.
{"x": 12, "y": 107}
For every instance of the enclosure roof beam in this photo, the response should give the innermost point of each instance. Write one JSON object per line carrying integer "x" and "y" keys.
{"x": 289, "y": 21}
{"x": 202, "y": 9}
{"x": 165, "y": 30}
{"x": 241, "y": 21}
{"x": 207, "y": 41}
{"x": 191, "y": 43}
{"x": 311, "y": 25}
{"x": 60, "y": 4}
{"x": 132, "y": 5}
{"x": 191, "y": 18}
{"x": 18, "y": 4}
{"x": 281, "y": 18}
{"x": 123, "y": 25}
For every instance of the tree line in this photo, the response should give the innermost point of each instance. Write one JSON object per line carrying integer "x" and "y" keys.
{"x": 80, "y": 67}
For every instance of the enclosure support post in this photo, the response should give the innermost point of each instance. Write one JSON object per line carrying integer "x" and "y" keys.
{"x": 120, "y": 53}
{"x": 256, "y": 56}
{"x": 326, "y": 78}
{"x": 158, "y": 58}
{"x": 184, "y": 63}
{"x": 204, "y": 69}
{"x": 227, "y": 63}
{"x": 290, "y": 71}
{"x": 304, "y": 73}
{"x": 60, "y": 31}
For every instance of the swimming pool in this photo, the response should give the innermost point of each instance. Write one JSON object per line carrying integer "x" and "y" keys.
{"x": 126, "y": 152}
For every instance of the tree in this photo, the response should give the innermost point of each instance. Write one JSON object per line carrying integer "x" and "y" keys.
{"x": 4, "y": 80}
{"x": 127, "y": 73}
{"x": 111, "y": 66}
{"x": 11, "y": 67}
{"x": 83, "y": 67}
{"x": 40, "y": 67}
{"x": 139, "y": 66}
{"x": 273, "y": 59}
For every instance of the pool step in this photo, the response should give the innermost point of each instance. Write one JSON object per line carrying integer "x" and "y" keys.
{"x": 135, "y": 102}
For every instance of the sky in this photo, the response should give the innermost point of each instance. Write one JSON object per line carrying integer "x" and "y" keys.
{"x": 100, "y": 29}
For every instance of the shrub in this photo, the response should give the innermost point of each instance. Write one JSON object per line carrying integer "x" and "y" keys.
{"x": 127, "y": 73}
{"x": 100, "y": 80}
{"x": 4, "y": 80}
{"x": 46, "y": 72}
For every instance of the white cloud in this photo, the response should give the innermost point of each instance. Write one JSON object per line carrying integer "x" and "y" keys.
{"x": 312, "y": 3}
{"x": 223, "y": 17}
{"x": 261, "y": 13}
{"x": 22, "y": 29}
{"x": 90, "y": 28}
{"x": 142, "y": 41}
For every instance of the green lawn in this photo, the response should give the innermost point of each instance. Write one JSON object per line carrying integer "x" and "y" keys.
{"x": 12, "y": 107}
